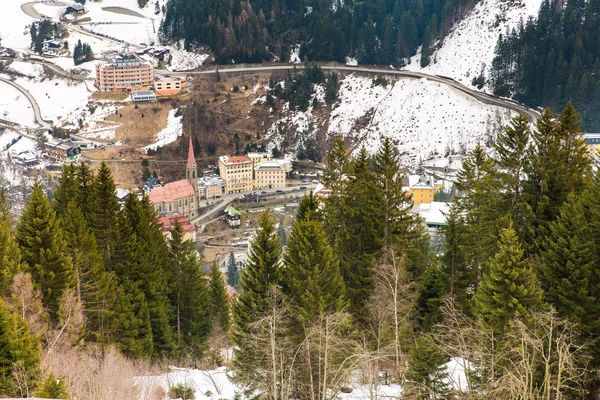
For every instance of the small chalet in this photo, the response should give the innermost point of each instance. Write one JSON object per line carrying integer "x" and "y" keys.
{"x": 234, "y": 217}
{"x": 75, "y": 9}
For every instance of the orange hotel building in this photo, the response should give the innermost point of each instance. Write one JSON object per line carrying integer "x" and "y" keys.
{"x": 124, "y": 73}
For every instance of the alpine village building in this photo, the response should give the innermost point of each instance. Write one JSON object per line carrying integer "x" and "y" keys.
{"x": 179, "y": 196}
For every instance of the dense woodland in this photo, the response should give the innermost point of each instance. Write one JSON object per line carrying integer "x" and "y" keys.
{"x": 554, "y": 59}
{"x": 374, "y": 31}
{"x": 354, "y": 286}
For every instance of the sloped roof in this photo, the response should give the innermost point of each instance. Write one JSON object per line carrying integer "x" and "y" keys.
{"x": 172, "y": 191}
{"x": 168, "y": 221}
{"x": 191, "y": 161}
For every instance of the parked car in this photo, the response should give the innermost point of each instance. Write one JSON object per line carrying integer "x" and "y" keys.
{"x": 279, "y": 191}
{"x": 263, "y": 192}
{"x": 303, "y": 187}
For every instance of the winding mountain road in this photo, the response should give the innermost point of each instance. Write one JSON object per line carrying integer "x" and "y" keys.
{"x": 532, "y": 114}
{"x": 34, "y": 105}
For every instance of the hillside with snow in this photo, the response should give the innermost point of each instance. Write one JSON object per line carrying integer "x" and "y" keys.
{"x": 425, "y": 119}
{"x": 470, "y": 45}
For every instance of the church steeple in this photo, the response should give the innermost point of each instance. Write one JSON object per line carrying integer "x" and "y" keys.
{"x": 191, "y": 169}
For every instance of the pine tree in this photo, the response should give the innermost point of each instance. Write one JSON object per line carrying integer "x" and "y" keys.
{"x": 233, "y": 273}
{"x": 105, "y": 212}
{"x": 480, "y": 201}
{"x": 10, "y": 254}
{"x": 67, "y": 190}
{"x": 86, "y": 194}
{"x": 19, "y": 355}
{"x": 362, "y": 235}
{"x": 311, "y": 273}
{"x": 189, "y": 296}
{"x": 425, "y": 377}
{"x": 130, "y": 325}
{"x": 43, "y": 248}
{"x": 335, "y": 177}
{"x": 218, "y": 297}
{"x": 509, "y": 287}
{"x": 259, "y": 279}
{"x": 92, "y": 284}
{"x": 142, "y": 257}
{"x": 308, "y": 209}
{"x": 568, "y": 275}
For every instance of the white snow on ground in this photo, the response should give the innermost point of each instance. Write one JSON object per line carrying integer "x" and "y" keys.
{"x": 13, "y": 22}
{"x": 215, "y": 384}
{"x": 170, "y": 134}
{"x": 27, "y": 69}
{"x": 182, "y": 60}
{"x": 425, "y": 119}
{"x": 15, "y": 107}
{"x": 471, "y": 43}
{"x": 295, "y": 55}
{"x": 58, "y": 99}
{"x": 49, "y": 10}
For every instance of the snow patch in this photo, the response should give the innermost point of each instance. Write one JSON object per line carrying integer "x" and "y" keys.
{"x": 170, "y": 134}
{"x": 295, "y": 55}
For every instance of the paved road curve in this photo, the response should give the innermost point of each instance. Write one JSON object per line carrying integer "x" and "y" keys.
{"x": 532, "y": 114}
{"x": 36, "y": 108}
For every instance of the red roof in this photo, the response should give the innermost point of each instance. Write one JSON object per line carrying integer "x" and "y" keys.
{"x": 168, "y": 221}
{"x": 191, "y": 159}
{"x": 172, "y": 191}
{"x": 236, "y": 159}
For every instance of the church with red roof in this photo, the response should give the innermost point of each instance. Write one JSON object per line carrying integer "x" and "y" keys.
{"x": 179, "y": 196}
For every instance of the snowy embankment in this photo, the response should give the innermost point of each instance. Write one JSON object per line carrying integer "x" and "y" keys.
{"x": 170, "y": 134}
{"x": 470, "y": 45}
{"x": 15, "y": 107}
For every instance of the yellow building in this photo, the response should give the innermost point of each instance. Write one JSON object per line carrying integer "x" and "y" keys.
{"x": 269, "y": 174}
{"x": 168, "y": 85}
{"x": 237, "y": 171}
{"x": 422, "y": 188}
{"x": 125, "y": 73}
{"x": 210, "y": 187}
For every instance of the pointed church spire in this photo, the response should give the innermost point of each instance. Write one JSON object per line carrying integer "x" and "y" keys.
{"x": 191, "y": 161}
{"x": 190, "y": 170}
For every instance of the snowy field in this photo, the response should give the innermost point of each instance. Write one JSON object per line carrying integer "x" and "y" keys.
{"x": 15, "y": 107}
{"x": 470, "y": 45}
{"x": 13, "y": 22}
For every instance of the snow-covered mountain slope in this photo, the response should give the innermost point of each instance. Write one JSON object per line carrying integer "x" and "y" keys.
{"x": 425, "y": 119}
{"x": 470, "y": 45}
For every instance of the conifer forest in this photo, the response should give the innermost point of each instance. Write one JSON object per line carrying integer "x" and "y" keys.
{"x": 355, "y": 290}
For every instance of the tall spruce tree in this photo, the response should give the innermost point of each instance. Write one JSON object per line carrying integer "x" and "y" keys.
{"x": 92, "y": 283}
{"x": 335, "y": 177}
{"x": 259, "y": 279}
{"x": 67, "y": 190}
{"x": 568, "y": 274}
{"x": 479, "y": 202}
{"x": 105, "y": 213}
{"x": 189, "y": 296}
{"x": 311, "y": 272}
{"x": 362, "y": 234}
{"x": 509, "y": 287}
{"x": 142, "y": 259}
{"x": 43, "y": 248}
{"x": 512, "y": 159}
{"x": 218, "y": 298}
{"x": 86, "y": 198}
